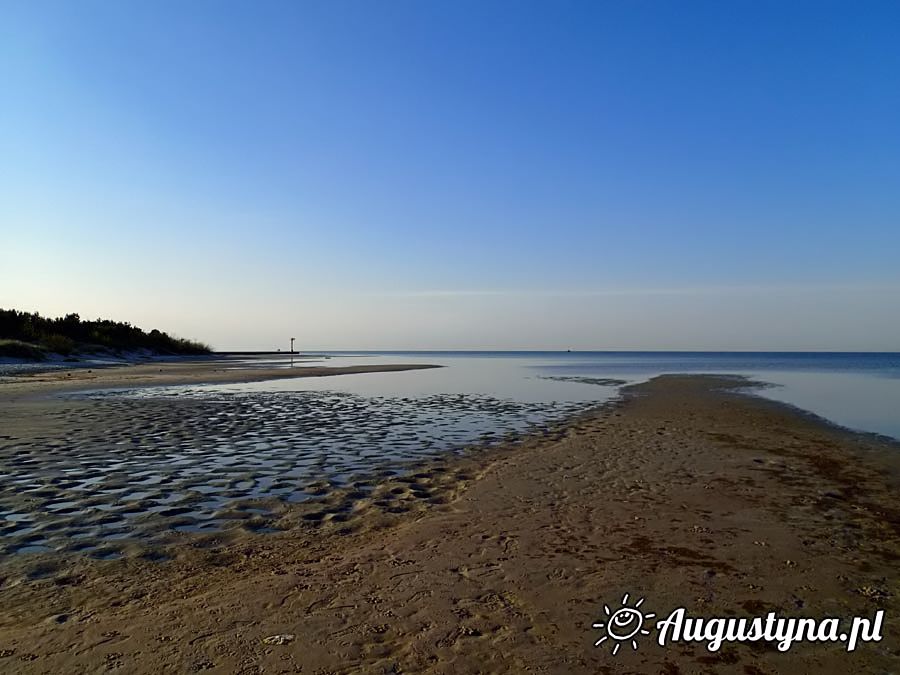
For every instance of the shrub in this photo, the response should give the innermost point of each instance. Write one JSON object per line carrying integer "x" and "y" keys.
{"x": 16, "y": 349}
{"x": 59, "y": 344}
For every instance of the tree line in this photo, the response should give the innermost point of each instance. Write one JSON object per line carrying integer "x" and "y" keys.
{"x": 69, "y": 334}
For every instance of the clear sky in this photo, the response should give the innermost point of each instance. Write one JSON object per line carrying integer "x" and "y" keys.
{"x": 465, "y": 174}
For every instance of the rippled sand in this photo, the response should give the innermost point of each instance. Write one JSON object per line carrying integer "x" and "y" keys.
{"x": 108, "y": 474}
{"x": 497, "y": 560}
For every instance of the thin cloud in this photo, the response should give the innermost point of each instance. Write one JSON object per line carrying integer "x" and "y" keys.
{"x": 656, "y": 291}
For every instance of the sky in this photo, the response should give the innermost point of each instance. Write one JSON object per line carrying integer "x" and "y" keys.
{"x": 457, "y": 175}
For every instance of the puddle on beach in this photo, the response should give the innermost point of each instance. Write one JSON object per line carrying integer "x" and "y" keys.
{"x": 146, "y": 464}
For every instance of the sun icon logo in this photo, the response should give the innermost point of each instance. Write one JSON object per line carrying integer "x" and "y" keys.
{"x": 623, "y": 625}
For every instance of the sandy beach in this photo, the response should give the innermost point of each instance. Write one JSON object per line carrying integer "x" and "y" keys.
{"x": 181, "y": 372}
{"x": 685, "y": 491}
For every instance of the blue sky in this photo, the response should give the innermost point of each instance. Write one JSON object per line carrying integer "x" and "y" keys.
{"x": 457, "y": 175}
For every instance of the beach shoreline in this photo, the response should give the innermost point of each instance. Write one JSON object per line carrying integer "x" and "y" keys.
{"x": 684, "y": 491}
{"x": 183, "y": 371}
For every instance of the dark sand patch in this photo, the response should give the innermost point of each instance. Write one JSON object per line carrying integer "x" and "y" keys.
{"x": 129, "y": 468}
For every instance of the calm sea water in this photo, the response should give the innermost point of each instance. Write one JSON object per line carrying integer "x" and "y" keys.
{"x": 856, "y": 390}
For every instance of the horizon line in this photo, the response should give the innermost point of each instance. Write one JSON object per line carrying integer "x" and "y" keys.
{"x": 557, "y": 351}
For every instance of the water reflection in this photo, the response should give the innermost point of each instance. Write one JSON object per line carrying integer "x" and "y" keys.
{"x": 857, "y": 390}
{"x": 197, "y": 459}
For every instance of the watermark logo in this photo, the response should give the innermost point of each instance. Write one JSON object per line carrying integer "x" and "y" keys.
{"x": 627, "y": 623}
{"x": 623, "y": 625}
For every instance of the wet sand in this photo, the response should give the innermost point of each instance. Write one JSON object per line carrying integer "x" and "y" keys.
{"x": 211, "y": 370}
{"x": 685, "y": 492}
{"x": 112, "y": 473}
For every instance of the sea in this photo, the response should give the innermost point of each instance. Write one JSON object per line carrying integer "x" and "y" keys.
{"x": 857, "y": 390}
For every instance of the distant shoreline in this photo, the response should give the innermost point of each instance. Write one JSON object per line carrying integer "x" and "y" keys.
{"x": 212, "y": 369}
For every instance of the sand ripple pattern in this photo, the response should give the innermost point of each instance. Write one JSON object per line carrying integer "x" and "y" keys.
{"x": 143, "y": 465}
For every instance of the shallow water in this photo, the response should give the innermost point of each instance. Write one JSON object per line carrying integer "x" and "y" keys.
{"x": 860, "y": 391}
{"x": 142, "y": 465}
{"x": 857, "y": 390}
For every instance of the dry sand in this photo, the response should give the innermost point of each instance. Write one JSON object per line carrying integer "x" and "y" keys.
{"x": 685, "y": 492}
